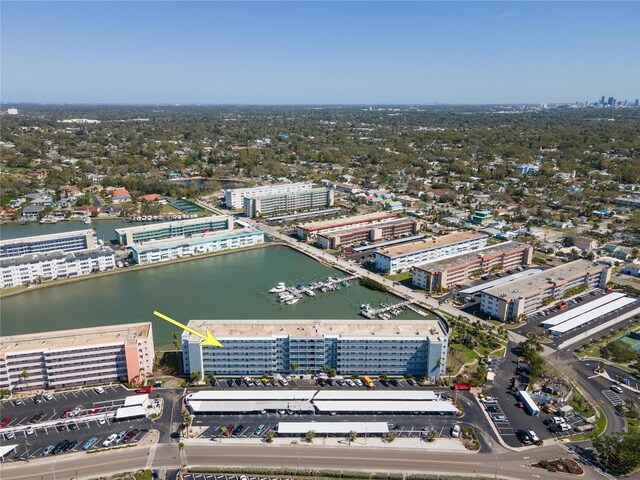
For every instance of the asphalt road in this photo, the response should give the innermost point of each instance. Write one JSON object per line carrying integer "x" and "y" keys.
{"x": 508, "y": 465}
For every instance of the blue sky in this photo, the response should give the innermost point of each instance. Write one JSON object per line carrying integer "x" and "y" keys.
{"x": 319, "y": 52}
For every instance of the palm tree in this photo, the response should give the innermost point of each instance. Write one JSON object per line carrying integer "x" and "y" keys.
{"x": 24, "y": 377}
{"x": 176, "y": 344}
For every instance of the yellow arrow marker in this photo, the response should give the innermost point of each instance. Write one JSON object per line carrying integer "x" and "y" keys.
{"x": 208, "y": 340}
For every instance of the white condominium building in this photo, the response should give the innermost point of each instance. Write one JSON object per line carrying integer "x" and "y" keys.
{"x": 404, "y": 257}
{"x": 254, "y": 347}
{"x": 160, "y": 231}
{"x": 71, "y": 358}
{"x": 508, "y": 301}
{"x": 234, "y": 197}
{"x": 173, "y": 248}
{"x": 49, "y": 266}
{"x": 280, "y": 203}
{"x": 55, "y": 242}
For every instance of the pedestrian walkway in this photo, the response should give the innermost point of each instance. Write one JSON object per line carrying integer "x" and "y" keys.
{"x": 613, "y": 397}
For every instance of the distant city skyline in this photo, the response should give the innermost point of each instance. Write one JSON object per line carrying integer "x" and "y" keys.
{"x": 344, "y": 53}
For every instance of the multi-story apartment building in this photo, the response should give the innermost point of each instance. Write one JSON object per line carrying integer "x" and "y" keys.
{"x": 310, "y": 231}
{"x": 179, "y": 228}
{"x": 280, "y": 203}
{"x": 404, "y": 257}
{"x": 49, "y": 266}
{"x": 71, "y": 358}
{"x": 173, "y": 248}
{"x": 374, "y": 347}
{"x": 234, "y": 197}
{"x": 64, "y": 242}
{"x": 369, "y": 233}
{"x": 456, "y": 270}
{"x": 631, "y": 202}
{"x": 508, "y": 301}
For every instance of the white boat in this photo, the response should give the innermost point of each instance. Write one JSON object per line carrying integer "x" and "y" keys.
{"x": 310, "y": 293}
{"x": 87, "y": 221}
{"x": 281, "y": 287}
{"x": 292, "y": 301}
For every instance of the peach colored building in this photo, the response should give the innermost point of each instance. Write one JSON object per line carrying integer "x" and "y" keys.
{"x": 73, "y": 358}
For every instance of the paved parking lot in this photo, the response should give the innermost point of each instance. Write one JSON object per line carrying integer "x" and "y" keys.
{"x": 50, "y": 428}
{"x": 613, "y": 397}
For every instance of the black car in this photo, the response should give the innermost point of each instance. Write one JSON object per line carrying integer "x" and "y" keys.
{"x": 70, "y": 446}
{"x": 60, "y": 426}
{"x": 238, "y": 430}
{"x": 321, "y": 382}
{"x": 331, "y": 382}
{"x": 231, "y": 383}
{"x": 523, "y": 436}
{"x": 238, "y": 382}
{"x": 394, "y": 382}
{"x": 37, "y": 417}
{"x": 491, "y": 409}
{"x": 384, "y": 382}
{"x": 130, "y": 435}
{"x": 37, "y": 399}
{"x": 214, "y": 382}
{"x": 73, "y": 426}
{"x": 58, "y": 448}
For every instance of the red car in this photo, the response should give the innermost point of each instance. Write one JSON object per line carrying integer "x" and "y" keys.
{"x": 5, "y": 422}
{"x": 93, "y": 411}
{"x": 65, "y": 413}
{"x": 227, "y": 431}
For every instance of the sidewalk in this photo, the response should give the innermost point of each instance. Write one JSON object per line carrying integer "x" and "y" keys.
{"x": 440, "y": 444}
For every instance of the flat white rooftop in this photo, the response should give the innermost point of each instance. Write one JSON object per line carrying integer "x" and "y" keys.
{"x": 213, "y": 406}
{"x": 292, "y": 428}
{"x": 499, "y": 281}
{"x": 585, "y": 307}
{"x": 394, "y": 330}
{"x": 152, "y": 227}
{"x": 437, "y": 406}
{"x": 76, "y": 338}
{"x": 531, "y": 285}
{"x": 234, "y": 395}
{"x": 344, "y": 222}
{"x": 429, "y": 243}
{"x": 376, "y": 394}
{"x": 49, "y": 236}
{"x": 192, "y": 240}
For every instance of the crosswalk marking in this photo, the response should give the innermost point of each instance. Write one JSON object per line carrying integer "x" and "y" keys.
{"x": 613, "y": 397}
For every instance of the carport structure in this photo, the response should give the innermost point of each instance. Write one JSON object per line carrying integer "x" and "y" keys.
{"x": 333, "y": 428}
{"x": 439, "y": 407}
{"x": 228, "y": 401}
{"x": 6, "y": 450}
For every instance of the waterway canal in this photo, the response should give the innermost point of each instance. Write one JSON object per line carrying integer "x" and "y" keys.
{"x": 231, "y": 286}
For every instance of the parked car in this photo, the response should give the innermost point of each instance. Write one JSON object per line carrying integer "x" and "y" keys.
{"x": 38, "y": 399}
{"x": 131, "y": 434}
{"x": 265, "y": 381}
{"x": 109, "y": 440}
{"x": 257, "y": 383}
{"x": 226, "y": 431}
{"x": 616, "y": 389}
{"x": 350, "y": 382}
{"x": 73, "y": 426}
{"x": 10, "y": 434}
{"x": 214, "y": 382}
{"x": 58, "y": 448}
{"x": 499, "y": 418}
{"x": 455, "y": 431}
{"x": 384, "y": 382}
{"x": 60, "y": 426}
{"x": 321, "y": 382}
{"x": 358, "y": 382}
{"x": 48, "y": 397}
{"x": 532, "y": 436}
{"x": 99, "y": 390}
{"x": 564, "y": 427}
{"x": 93, "y": 411}
{"x": 121, "y": 435}
{"x": 394, "y": 382}
{"x": 523, "y": 437}
{"x": 259, "y": 430}
{"x": 412, "y": 382}
{"x": 47, "y": 450}
{"x": 231, "y": 383}
{"x": 37, "y": 417}
{"x": 5, "y": 422}
{"x": 101, "y": 421}
{"x": 70, "y": 446}
{"x": 18, "y": 401}
{"x": 89, "y": 443}
{"x": 238, "y": 430}
{"x": 238, "y": 382}
{"x": 75, "y": 412}
{"x": 331, "y": 382}
{"x": 283, "y": 382}
{"x": 65, "y": 413}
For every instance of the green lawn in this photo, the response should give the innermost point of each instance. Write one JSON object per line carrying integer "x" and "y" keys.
{"x": 459, "y": 355}
{"x": 398, "y": 277}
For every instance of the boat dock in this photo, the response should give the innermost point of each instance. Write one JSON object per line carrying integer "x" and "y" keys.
{"x": 384, "y": 310}
{"x": 291, "y": 294}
